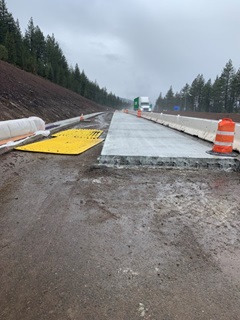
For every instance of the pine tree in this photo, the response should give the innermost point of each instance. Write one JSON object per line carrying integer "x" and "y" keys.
{"x": 84, "y": 84}
{"x": 28, "y": 38}
{"x": 3, "y": 53}
{"x": 8, "y": 30}
{"x": 30, "y": 54}
{"x": 169, "y": 98}
{"x": 19, "y": 45}
{"x": 159, "y": 105}
{"x": 207, "y": 96}
{"x": 3, "y": 21}
{"x": 226, "y": 79}
{"x": 77, "y": 79}
{"x": 235, "y": 91}
{"x": 196, "y": 93}
{"x": 11, "y": 48}
{"x": 217, "y": 95}
{"x": 178, "y": 100}
{"x": 185, "y": 94}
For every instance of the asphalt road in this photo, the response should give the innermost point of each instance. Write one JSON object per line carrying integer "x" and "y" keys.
{"x": 78, "y": 241}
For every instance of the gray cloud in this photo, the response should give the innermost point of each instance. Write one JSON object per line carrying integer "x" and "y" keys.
{"x": 140, "y": 47}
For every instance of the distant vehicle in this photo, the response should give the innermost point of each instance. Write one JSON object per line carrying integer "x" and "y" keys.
{"x": 142, "y": 103}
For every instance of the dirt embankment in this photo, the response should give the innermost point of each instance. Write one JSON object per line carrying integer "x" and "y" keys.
{"x": 23, "y": 94}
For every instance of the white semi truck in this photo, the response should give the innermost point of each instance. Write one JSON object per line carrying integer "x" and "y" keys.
{"x": 142, "y": 103}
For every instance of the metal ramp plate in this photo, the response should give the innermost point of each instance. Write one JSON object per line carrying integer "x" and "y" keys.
{"x": 69, "y": 142}
{"x": 79, "y": 133}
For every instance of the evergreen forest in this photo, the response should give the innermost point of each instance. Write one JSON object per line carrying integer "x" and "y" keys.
{"x": 222, "y": 95}
{"x": 40, "y": 55}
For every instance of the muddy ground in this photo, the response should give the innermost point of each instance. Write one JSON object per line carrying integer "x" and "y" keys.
{"x": 83, "y": 242}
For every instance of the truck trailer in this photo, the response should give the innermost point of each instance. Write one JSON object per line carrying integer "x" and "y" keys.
{"x": 142, "y": 103}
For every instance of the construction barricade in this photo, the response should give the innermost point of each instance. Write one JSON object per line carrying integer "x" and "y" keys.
{"x": 223, "y": 144}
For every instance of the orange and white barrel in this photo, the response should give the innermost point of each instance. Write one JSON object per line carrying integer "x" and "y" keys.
{"x": 224, "y": 137}
{"x": 139, "y": 113}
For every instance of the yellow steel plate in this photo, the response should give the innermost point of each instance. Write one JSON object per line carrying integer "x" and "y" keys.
{"x": 79, "y": 133}
{"x": 73, "y": 142}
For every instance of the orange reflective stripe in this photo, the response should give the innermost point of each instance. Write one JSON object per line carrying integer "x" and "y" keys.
{"x": 222, "y": 149}
{"x": 228, "y": 129}
{"x": 224, "y": 138}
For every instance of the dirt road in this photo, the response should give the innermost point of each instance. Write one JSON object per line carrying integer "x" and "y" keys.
{"x": 81, "y": 242}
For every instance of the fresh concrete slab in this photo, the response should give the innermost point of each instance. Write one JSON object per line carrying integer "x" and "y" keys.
{"x": 136, "y": 141}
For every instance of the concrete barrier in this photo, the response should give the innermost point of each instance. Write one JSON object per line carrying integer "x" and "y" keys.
{"x": 201, "y": 128}
{"x": 236, "y": 143}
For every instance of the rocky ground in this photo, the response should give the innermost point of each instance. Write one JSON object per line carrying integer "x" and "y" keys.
{"x": 83, "y": 242}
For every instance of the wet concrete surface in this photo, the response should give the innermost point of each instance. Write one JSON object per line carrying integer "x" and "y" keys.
{"x": 137, "y": 141}
{"x": 78, "y": 241}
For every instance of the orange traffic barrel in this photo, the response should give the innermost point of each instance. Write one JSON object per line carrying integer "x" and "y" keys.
{"x": 139, "y": 113}
{"x": 223, "y": 144}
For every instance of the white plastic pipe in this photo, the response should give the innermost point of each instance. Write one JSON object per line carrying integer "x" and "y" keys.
{"x": 14, "y": 128}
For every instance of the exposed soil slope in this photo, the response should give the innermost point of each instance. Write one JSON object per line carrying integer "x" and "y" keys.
{"x": 23, "y": 94}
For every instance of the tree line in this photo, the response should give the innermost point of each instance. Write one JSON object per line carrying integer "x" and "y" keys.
{"x": 35, "y": 53}
{"x": 222, "y": 95}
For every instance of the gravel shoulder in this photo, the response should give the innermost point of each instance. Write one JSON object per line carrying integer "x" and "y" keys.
{"x": 79, "y": 241}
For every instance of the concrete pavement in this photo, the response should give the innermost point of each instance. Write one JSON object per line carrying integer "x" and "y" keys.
{"x": 137, "y": 141}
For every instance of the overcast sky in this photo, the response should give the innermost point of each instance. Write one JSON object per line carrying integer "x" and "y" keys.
{"x": 139, "y": 47}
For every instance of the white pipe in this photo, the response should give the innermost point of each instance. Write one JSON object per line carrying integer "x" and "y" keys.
{"x": 14, "y": 128}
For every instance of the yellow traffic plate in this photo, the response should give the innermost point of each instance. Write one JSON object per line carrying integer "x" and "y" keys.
{"x": 72, "y": 142}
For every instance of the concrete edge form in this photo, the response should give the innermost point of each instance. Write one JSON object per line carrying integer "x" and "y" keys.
{"x": 133, "y": 142}
{"x": 227, "y": 164}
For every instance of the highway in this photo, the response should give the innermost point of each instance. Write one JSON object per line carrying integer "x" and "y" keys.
{"x": 134, "y": 140}
{"x": 83, "y": 240}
